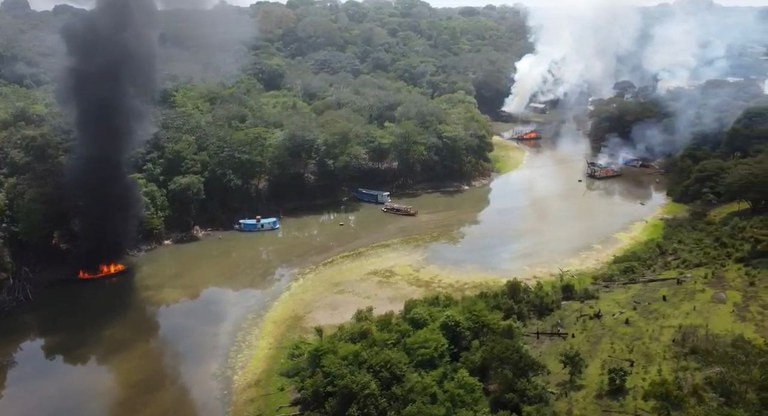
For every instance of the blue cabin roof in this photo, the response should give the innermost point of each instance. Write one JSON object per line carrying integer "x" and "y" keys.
{"x": 261, "y": 221}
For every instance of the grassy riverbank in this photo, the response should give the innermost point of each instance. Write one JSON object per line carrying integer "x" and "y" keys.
{"x": 506, "y": 156}
{"x": 650, "y": 329}
{"x": 383, "y": 276}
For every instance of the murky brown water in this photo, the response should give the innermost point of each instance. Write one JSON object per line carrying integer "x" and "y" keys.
{"x": 541, "y": 216}
{"x": 154, "y": 342}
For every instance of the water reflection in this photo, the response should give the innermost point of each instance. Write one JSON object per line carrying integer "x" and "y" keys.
{"x": 154, "y": 343}
{"x": 546, "y": 213}
{"x": 635, "y": 184}
{"x": 83, "y": 326}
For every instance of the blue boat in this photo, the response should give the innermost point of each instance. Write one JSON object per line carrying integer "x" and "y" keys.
{"x": 374, "y": 197}
{"x": 257, "y": 224}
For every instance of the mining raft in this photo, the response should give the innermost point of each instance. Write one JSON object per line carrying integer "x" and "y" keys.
{"x": 398, "y": 209}
{"x": 599, "y": 171}
{"x": 525, "y": 135}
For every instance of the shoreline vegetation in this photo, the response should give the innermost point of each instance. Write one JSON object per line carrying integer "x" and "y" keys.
{"x": 387, "y": 275}
{"x": 506, "y": 156}
{"x": 382, "y": 276}
{"x": 306, "y": 101}
{"x": 353, "y": 290}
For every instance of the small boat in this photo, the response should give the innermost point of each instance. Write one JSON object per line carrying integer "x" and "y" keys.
{"x": 374, "y": 197}
{"x": 105, "y": 270}
{"x": 529, "y": 135}
{"x": 399, "y": 209}
{"x": 257, "y": 224}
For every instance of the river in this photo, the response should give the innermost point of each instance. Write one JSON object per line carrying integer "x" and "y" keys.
{"x": 156, "y": 341}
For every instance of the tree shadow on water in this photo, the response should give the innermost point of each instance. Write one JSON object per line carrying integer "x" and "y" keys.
{"x": 103, "y": 321}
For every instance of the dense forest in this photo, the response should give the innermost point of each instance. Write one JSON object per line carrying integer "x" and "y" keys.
{"x": 277, "y": 105}
{"x": 292, "y": 104}
{"x": 470, "y": 356}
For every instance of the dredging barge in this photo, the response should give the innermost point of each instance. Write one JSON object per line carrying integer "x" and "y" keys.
{"x": 599, "y": 171}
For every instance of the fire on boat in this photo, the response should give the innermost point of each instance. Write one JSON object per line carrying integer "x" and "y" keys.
{"x": 105, "y": 270}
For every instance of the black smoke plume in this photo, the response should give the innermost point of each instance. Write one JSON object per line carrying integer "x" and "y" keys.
{"x": 110, "y": 88}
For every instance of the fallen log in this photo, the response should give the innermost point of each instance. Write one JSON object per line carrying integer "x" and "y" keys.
{"x": 538, "y": 334}
{"x": 648, "y": 280}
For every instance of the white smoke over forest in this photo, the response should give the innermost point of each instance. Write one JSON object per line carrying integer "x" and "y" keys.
{"x": 577, "y": 49}
{"x": 162, "y": 4}
{"x": 701, "y": 63}
{"x": 588, "y": 45}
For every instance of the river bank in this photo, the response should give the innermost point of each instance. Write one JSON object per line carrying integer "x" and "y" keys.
{"x": 383, "y": 276}
{"x": 27, "y": 285}
{"x": 189, "y": 302}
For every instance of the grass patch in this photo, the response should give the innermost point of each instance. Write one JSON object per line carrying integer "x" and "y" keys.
{"x": 640, "y": 323}
{"x": 650, "y": 336}
{"x": 384, "y": 275}
{"x": 674, "y": 209}
{"x": 723, "y": 211}
{"x": 652, "y": 228}
{"x": 506, "y": 156}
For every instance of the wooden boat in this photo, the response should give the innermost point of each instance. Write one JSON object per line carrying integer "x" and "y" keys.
{"x": 399, "y": 209}
{"x": 257, "y": 224}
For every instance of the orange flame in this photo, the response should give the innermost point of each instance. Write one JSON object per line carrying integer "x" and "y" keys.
{"x": 104, "y": 271}
{"x": 531, "y": 135}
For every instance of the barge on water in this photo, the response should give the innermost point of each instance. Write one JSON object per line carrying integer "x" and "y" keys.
{"x": 399, "y": 209}
{"x": 373, "y": 197}
{"x": 524, "y": 134}
{"x": 599, "y": 171}
{"x": 257, "y": 224}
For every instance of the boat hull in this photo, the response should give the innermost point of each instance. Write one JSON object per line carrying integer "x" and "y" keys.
{"x": 259, "y": 230}
{"x": 396, "y": 209}
{"x": 406, "y": 214}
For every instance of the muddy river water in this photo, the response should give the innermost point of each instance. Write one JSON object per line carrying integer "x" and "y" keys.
{"x": 156, "y": 341}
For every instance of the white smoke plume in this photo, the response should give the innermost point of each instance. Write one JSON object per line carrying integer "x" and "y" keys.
{"x": 588, "y": 45}
{"x": 162, "y": 4}
{"x": 577, "y": 49}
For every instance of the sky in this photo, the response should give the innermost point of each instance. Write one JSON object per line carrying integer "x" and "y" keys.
{"x": 457, "y": 3}
{"x": 47, "y": 4}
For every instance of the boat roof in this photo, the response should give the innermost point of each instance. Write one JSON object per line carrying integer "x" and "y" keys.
{"x": 370, "y": 191}
{"x": 261, "y": 221}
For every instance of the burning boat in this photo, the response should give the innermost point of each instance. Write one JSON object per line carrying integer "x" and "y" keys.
{"x": 105, "y": 270}
{"x": 599, "y": 171}
{"x": 399, "y": 209}
{"x": 526, "y": 135}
